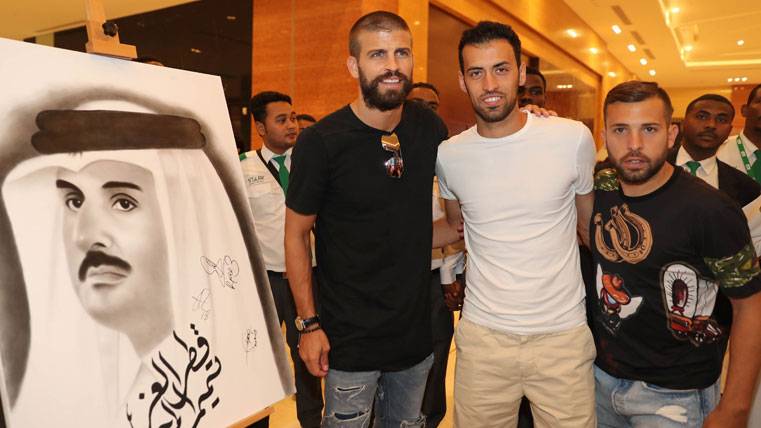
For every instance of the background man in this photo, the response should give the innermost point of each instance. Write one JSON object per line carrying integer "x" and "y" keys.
{"x": 425, "y": 93}
{"x": 267, "y": 174}
{"x": 742, "y": 151}
{"x": 305, "y": 121}
{"x": 533, "y": 91}
{"x": 669, "y": 251}
{"x": 523, "y": 329}
{"x": 362, "y": 176}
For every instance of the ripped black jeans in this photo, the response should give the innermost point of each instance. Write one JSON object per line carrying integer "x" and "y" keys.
{"x": 397, "y": 396}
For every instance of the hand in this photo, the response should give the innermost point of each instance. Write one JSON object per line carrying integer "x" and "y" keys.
{"x": 313, "y": 349}
{"x": 454, "y": 295}
{"x": 539, "y": 111}
{"x": 726, "y": 418}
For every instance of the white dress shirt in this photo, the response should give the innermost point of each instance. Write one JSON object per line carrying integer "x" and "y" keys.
{"x": 708, "y": 170}
{"x": 730, "y": 154}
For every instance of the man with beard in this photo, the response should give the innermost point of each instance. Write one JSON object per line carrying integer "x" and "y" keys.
{"x": 677, "y": 276}
{"x": 742, "y": 151}
{"x": 362, "y": 179}
{"x": 520, "y": 182}
{"x": 267, "y": 174}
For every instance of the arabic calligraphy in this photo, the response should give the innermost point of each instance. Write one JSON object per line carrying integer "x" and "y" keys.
{"x": 249, "y": 341}
{"x": 201, "y": 303}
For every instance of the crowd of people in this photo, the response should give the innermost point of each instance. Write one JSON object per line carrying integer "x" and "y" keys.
{"x": 361, "y": 217}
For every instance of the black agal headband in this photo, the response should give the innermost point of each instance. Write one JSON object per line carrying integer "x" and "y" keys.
{"x": 63, "y": 131}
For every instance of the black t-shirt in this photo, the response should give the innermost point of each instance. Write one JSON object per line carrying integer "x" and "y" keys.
{"x": 373, "y": 235}
{"x": 665, "y": 264}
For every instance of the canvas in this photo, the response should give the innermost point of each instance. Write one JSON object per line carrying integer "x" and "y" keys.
{"x": 132, "y": 293}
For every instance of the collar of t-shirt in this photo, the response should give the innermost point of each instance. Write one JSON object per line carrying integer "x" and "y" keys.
{"x": 708, "y": 170}
{"x": 268, "y": 154}
{"x": 515, "y": 135}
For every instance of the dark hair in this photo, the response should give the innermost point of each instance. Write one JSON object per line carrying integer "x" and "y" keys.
{"x": 752, "y": 93}
{"x": 258, "y": 104}
{"x": 486, "y": 31}
{"x": 374, "y": 21}
{"x": 534, "y": 70}
{"x": 635, "y": 91}
{"x": 425, "y": 85}
{"x": 710, "y": 97}
{"x": 304, "y": 116}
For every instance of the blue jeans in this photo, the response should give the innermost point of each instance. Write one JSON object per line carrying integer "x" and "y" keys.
{"x": 349, "y": 397}
{"x": 627, "y": 403}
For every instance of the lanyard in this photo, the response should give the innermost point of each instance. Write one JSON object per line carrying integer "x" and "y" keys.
{"x": 744, "y": 156}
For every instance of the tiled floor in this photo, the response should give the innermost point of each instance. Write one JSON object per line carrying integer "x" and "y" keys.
{"x": 285, "y": 410}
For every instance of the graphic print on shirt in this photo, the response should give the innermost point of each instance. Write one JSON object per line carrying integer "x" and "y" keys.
{"x": 689, "y": 300}
{"x": 616, "y": 302}
{"x": 630, "y": 236}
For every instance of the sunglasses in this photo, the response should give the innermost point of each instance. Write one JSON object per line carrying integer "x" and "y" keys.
{"x": 395, "y": 164}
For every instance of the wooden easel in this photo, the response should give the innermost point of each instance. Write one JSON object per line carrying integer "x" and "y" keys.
{"x": 98, "y": 42}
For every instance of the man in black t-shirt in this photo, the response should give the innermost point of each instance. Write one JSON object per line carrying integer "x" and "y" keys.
{"x": 362, "y": 177}
{"x": 677, "y": 276}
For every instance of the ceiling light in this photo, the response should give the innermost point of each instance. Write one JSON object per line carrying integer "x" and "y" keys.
{"x": 688, "y": 48}
{"x": 571, "y": 32}
{"x": 729, "y": 80}
{"x": 416, "y": 23}
{"x": 616, "y": 29}
{"x": 195, "y": 50}
{"x": 744, "y": 79}
{"x": 643, "y": 61}
{"x": 740, "y": 42}
{"x": 631, "y": 47}
{"x": 231, "y": 17}
{"x": 675, "y": 10}
{"x": 651, "y": 72}
{"x": 611, "y": 74}
{"x": 736, "y": 79}
{"x": 594, "y": 51}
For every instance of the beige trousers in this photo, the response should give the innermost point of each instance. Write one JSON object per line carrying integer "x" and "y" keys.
{"x": 495, "y": 369}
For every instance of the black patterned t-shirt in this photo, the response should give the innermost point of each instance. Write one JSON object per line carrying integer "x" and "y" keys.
{"x": 665, "y": 263}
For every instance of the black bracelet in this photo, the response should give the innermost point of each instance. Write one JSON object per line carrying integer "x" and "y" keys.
{"x": 311, "y": 330}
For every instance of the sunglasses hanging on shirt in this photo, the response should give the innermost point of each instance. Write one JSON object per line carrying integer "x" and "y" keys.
{"x": 395, "y": 164}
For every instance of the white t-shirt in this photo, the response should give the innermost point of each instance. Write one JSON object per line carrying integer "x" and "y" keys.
{"x": 517, "y": 195}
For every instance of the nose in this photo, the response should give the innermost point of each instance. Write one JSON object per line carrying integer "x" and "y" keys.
{"x": 711, "y": 123}
{"x": 634, "y": 143}
{"x": 392, "y": 63}
{"x": 90, "y": 229}
{"x": 490, "y": 82}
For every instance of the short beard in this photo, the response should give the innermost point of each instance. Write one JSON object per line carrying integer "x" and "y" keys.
{"x": 492, "y": 116}
{"x": 643, "y": 175}
{"x": 391, "y": 99}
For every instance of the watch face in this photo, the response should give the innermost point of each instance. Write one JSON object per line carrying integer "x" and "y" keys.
{"x": 299, "y": 324}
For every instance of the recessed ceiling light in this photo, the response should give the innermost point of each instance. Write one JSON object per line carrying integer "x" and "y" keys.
{"x": 631, "y": 47}
{"x": 612, "y": 74}
{"x": 688, "y": 48}
{"x": 744, "y": 79}
{"x": 643, "y": 61}
{"x": 675, "y": 10}
{"x": 231, "y": 17}
{"x": 571, "y": 32}
{"x": 740, "y": 42}
{"x": 616, "y": 29}
{"x": 729, "y": 80}
{"x": 736, "y": 79}
{"x": 416, "y": 23}
{"x": 594, "y": 51}
{"x": 195, "y": 50}
{"x": 651, "y": 72}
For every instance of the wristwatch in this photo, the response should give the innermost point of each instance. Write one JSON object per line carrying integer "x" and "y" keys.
{"x": 304, "y": 323}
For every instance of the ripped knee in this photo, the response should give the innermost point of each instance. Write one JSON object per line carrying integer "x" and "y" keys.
{"x": 419, "y": 422}
{"x": 347, "y": 419}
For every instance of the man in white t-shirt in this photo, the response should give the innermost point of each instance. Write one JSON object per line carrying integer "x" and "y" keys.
{"x": 519, "y": 182}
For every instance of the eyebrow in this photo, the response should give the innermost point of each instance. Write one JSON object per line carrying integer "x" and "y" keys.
{"x": 121, "y": 184}
{"x": 63, "y": 184}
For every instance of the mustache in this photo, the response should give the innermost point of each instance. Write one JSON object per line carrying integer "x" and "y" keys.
{"x": 712, "y": 134}
{"x": 388, "y": 74}
{"x": 98, "y": 258}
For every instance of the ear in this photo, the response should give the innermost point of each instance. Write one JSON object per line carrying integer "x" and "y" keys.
{"x": 604, "y": 137}
{"x": 353, "y": 66}
{"x": 522, "y": 77}
{"x": 260, "y": 129}
{"x": 744, "y": 110}
{"x": 461, "y": 79}
{"x": 673, "y": 132}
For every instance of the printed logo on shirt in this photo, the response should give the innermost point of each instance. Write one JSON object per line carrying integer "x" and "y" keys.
{"x": 616, "y": 302}
{"x": 254, "y": 179}
{"x": 689, "y": 300}
{"x": 630, "y": 236}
